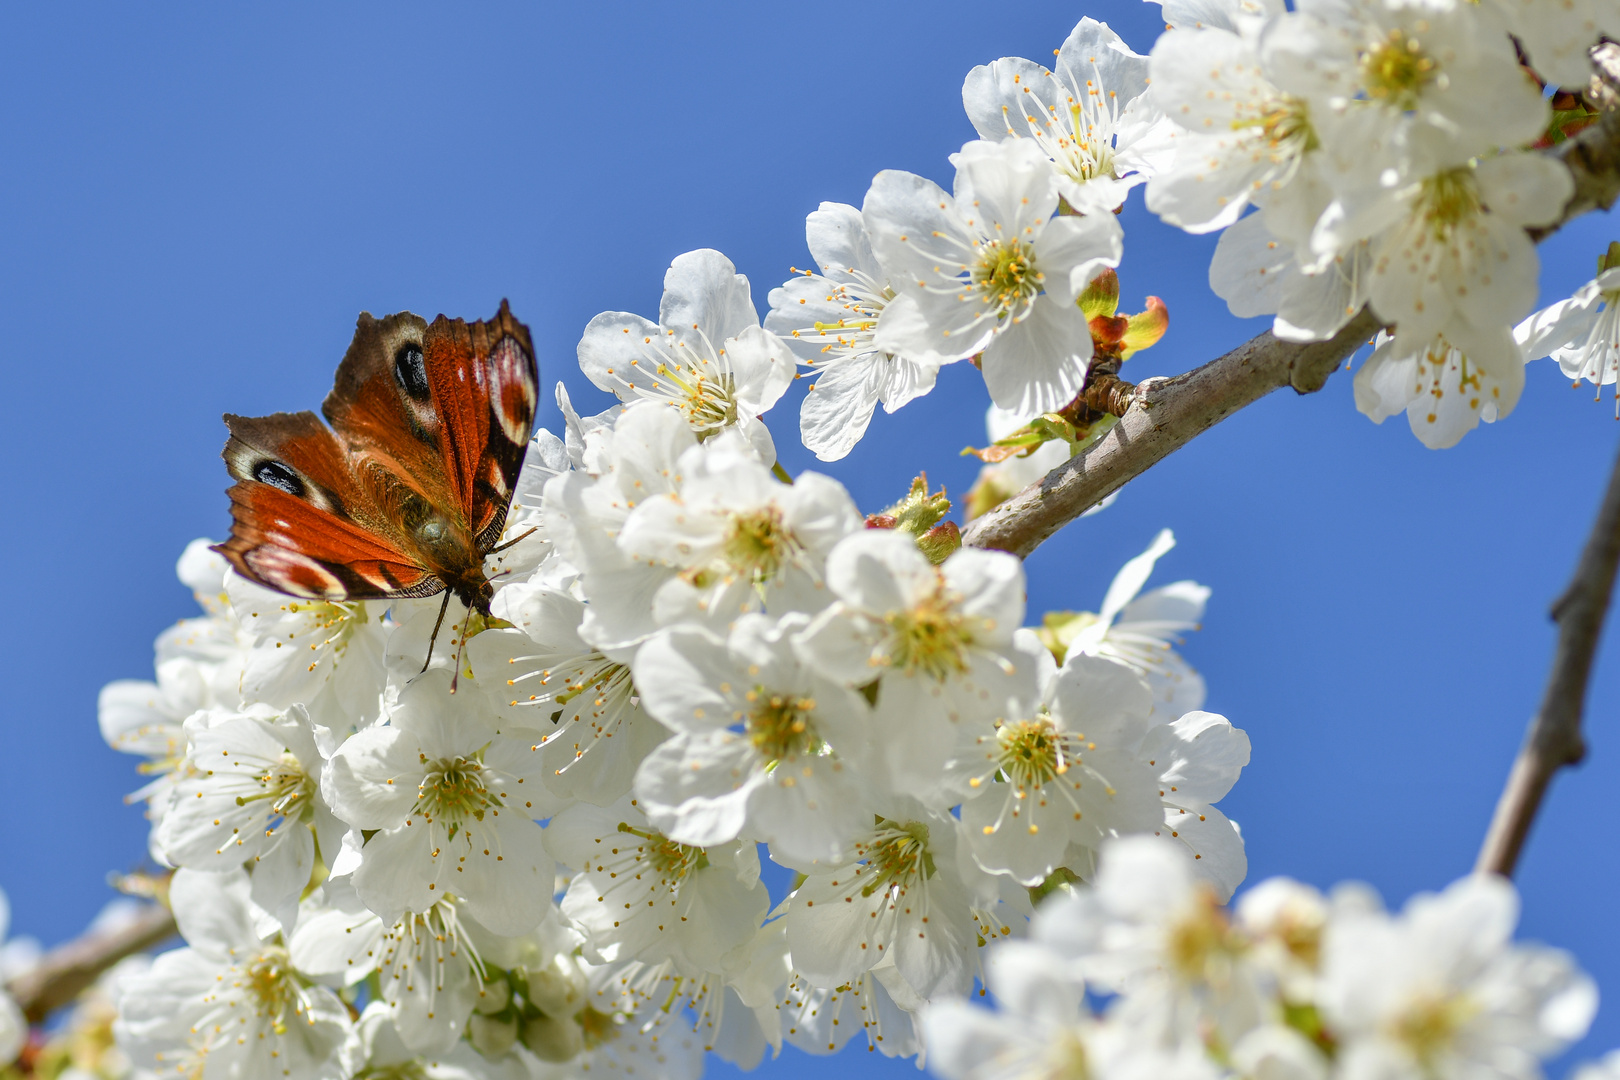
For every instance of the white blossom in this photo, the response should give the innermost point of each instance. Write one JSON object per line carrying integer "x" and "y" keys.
{"x": 903, "y": 891}
{"x": 1139, "y": 630}
{"x": 877, "y": 1003}
{"x": 1043, "y": 1030}
{"x": 638, "y": 895}
{"x": 764, "y": 746}
{"x": 729, "y": 538}
{"x": 1401, "y": 79}
{"x": 430, "y": 973}
{"x": 706, "y": 355}
{"x": 542, "y": 675}
{"x": 1448, "y": 248}
{"x": 1258, "y": 274}
{"x": 1558, "y": 34}
{"x": 1089, "y": 114}
{"x": 453, "y": 802}
{"x": 1439, "y": 991}
{"x": 829, "y": 316}
{"x": 1150, "y": 931}
{"x": 1582, "y": 333}
{"x": 1063, "y": 773}
{"x": 1238, "y": 138}
{"x": 1444, "y": 390}
{"x": 376, "y": 1050}
{"x": 1196, "y": 759}
{"x": 229, "y": 1006}
{"x": 938, "y": 641}
{"x": 324, "y": 655}
{"x": 248, "y": 792}
{"x": 991, "y": 269}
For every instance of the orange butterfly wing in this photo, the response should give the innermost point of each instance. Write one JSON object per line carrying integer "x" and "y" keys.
{"x": 410, "y": 488}
{"x": 300, "y": 522}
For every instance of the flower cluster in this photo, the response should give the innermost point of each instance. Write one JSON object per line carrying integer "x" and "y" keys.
{"x": 1287, "y": 985}
{"x": 729, "y": 763}
{"x": 544, "y": 847}
{"x": 1384, "y": 149}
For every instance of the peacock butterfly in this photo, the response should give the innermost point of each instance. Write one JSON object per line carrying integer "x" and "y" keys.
{"x": 408, "y": 490}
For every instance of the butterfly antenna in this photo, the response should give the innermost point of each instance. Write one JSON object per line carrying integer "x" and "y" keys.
{"x": 515, "y": 540}
{"x": 435, "y": 636}
{"x": 461, "y": 647}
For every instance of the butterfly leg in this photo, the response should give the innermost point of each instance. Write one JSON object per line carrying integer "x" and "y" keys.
{"x": 435, "y": 635}
{"x": 461, "y": 646}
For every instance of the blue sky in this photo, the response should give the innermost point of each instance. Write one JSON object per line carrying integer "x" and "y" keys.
{"x": 195, "y": 201}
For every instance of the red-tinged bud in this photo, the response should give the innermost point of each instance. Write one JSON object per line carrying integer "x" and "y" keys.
{"x": 1146, "y": 327}
{"x": 881, "y": 521}
{"x": 939, "y": 542}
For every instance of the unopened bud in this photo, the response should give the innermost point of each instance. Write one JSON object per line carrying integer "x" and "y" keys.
{"x": 939, "y": 542}
{"x": 553, "y": 1038}
{"x": 491, "y": 1037}
{"x": 494, "y": 997}
{"x": 1059, "y": 629}
{"x": 918, "y": 512}
{"x": 552, "y": 991}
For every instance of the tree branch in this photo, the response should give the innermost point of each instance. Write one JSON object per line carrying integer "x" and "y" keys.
{"x": 67, "y": 970}
{"x": 1166, "y": 414}
{"x": 1554, "y": 737}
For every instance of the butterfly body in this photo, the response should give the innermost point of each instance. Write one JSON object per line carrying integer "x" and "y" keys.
{"x": 407, "y": 490}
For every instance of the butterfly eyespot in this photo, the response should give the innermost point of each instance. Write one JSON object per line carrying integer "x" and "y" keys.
{"x": 280, "y": 476}
{"x": 410, "y": 370}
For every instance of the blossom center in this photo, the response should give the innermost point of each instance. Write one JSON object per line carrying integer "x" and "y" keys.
{"x": 1032, "y": 752}
{"x": 339, "y": 621}
{"x": 428, "y": 939}
{"x": 270, "y": 985}
{"x": 674, "y": 862}
{"x": 896, "y": 856}
{"x": 1067, "y": 1060}
{"x": 759, "y": 544}
{"x": 286, "y": 785}
{"x": 453, "y": 790}
{"x": 597, "y": 1027}
{"x": 1396, "y": 70}
{"x": 1201, "y": 937}
{"x": 1286, "y": 123}
{"x": 1448, "y": 199}
{"x": 780, "y": 725}
{"x": 1429, "y": 1025}
{"x": 708, "y": 401}
{"x": 1084, "y": 152}
{"x": 601, "y": 678}
{"x": 930, "y": 638}
{"x": 1006, "y": 274}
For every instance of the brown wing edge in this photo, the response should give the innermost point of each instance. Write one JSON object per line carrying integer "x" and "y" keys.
{"x": 370, "y": 355}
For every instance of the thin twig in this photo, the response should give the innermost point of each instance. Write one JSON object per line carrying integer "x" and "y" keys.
{"x": 67, "y": 970}
{"x": 1168, "y": 413}
{"x": 1554, "y": 737}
